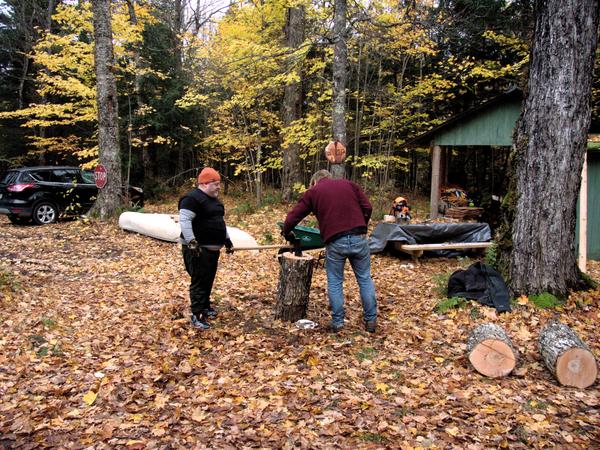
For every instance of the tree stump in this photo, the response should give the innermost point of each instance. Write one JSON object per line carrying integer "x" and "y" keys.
{"x": 491, "y": 351}
{"x": 568, "y": 358}
{"x": 295, "y": 276}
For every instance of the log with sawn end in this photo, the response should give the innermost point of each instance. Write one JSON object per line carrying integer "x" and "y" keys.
{"x": 567, "y": 357}
{"x": 491, "y": 351}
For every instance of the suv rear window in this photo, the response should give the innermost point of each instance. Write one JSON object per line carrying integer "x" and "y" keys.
{"x": 66, "y": 176}
{"x": 9, "y": 177}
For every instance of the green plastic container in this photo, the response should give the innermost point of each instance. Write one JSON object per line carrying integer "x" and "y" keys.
{"x": 309, "y": 237}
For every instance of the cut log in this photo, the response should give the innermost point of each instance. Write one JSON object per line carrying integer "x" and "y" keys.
{"x": 295, "y": 276}
{"x": 491, "y": 351}
{"x": 568, "y": 358}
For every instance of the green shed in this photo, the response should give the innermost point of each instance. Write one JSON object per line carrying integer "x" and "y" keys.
{"x": 492, "y": 124}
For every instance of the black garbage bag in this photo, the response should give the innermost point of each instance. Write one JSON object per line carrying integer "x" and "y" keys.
{"x": 482, "y": 283}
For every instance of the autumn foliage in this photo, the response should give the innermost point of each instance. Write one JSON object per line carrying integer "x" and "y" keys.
{"x": 97, "y": 352}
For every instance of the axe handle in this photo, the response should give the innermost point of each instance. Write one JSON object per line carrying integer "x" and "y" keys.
{"x": 261, "y": 247}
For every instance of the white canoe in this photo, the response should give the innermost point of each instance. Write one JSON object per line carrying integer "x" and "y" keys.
{"x": 166, "y": 228}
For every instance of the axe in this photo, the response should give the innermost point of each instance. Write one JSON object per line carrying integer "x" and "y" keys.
{"x": 296, "y": 247}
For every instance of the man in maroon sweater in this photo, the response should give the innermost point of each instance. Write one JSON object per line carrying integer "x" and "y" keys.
{"x": 343, "y": 211}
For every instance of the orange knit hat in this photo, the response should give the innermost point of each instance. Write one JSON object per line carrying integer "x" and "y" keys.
{"x": 208, "y": 175}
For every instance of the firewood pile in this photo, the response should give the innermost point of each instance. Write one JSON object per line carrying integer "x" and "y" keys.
{"x": 464, "y": 213}
{"x": 454, "y": 197}
{"x": 454, "y": 203}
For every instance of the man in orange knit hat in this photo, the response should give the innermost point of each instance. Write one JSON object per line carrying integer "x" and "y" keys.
{"x": 203, "y": 232}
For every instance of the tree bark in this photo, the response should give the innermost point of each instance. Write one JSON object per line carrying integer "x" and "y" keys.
{"x": 550, "y": 143}
{"x": 340, "y": 81}
{"x": 292, "y": 103}
{"x": 293, "y": 290}
{"x": 109, "y": 198}
{"x": 568, "y": 358}
{"x": 491, "y": 351}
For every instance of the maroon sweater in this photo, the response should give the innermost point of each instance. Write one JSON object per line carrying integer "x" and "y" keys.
{"x": 339, "y": 205}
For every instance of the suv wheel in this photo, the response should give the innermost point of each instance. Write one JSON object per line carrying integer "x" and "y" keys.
{"x": 18, "y": 220}
{"x": 45, "y": 213}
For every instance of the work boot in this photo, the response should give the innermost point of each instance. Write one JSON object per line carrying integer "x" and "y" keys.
{"x": 199, "y": 322}
{"x": 209, "y": 313}
{"x": 371, "y": 325}
{"x": 332, "y": 328}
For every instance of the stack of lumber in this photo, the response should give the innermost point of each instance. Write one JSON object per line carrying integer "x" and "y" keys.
{"x": 464, "y": 213}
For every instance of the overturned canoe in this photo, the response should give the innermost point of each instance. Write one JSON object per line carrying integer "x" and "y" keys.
{"x": 166, "y": 228}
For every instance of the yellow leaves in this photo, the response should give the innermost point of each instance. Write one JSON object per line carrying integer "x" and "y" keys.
{"x": 511, "y": 43}
{"x": 136, "y": 418}
{"x": 67, "y": 78}
{"x": 192, "y": 99}
{"x": 313, "y": 361}
{"x": 452, "y": 431}
{"x": 160, "y": 401}
{"x": 489, "y": 409}
{"x": 538, "y": 425}
{"x": 252, "y": 376}
{"x": 382, "y": 387}
{"x": 523, "y": 300}
{"x": 90, "y": 397}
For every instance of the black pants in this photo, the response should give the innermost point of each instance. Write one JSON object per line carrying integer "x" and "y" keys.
{"x": 202, "y": 267}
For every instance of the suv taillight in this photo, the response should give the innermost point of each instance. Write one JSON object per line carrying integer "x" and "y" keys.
{"x": 19, "y": 187}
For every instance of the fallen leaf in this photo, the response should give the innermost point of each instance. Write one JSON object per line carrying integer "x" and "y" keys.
{"x": 381, "y": 387}
{"x": 452, "y": 431}
{"x": 90, "y": 397}
{"x": 199, "y": 415}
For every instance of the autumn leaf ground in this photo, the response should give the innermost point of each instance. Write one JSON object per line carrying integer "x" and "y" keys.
{"x": 97, "y": 352}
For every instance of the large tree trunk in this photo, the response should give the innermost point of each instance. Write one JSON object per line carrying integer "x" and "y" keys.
{"x": 292, "y": 103}
{"x": 550, "y": 143}
{"x": 293, "y": 290}
{"x": 568, "y": 358}
{"x": 109, "y": 199}
{"x": 340, "y": 81}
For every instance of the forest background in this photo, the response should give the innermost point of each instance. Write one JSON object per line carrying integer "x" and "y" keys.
{"x": 209, "y": 84}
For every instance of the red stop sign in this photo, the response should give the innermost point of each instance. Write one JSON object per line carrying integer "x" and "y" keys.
{"x": 100, "y": 176}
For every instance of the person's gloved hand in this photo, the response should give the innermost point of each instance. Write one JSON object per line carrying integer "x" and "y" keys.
{"x": 228, "y": 246}
{"x": 290, "y": 237}
{"x": 194, "y": 247}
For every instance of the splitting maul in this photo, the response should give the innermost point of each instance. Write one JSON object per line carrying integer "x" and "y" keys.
{"x": 295, "y": 246}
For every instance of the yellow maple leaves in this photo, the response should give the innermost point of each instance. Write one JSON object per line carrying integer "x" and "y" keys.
{"x": 67, "y": 81}
{"x": 90, "y": 397}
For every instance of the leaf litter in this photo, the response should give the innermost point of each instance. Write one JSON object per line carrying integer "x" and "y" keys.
{"x": 97, "y": 352}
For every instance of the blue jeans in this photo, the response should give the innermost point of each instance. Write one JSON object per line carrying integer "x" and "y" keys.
{"x": 356, "y": 250}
